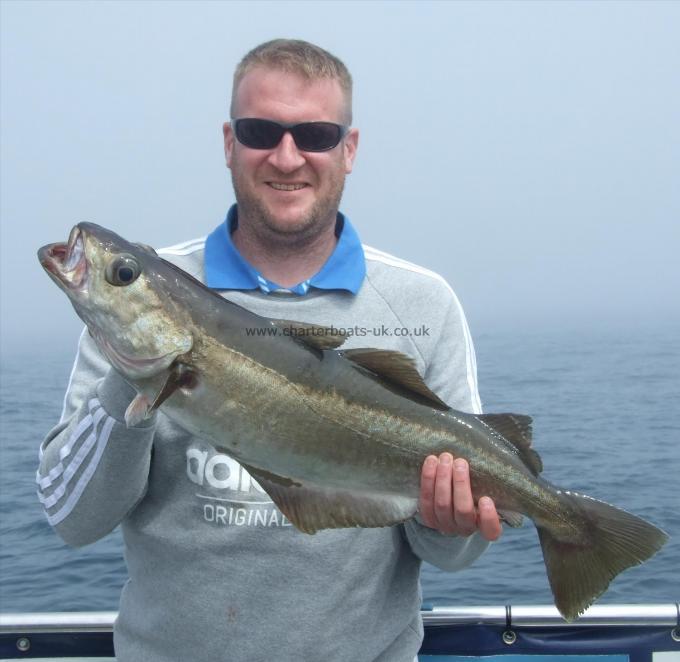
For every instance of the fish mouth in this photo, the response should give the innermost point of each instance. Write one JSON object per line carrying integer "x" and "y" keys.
{"x": 66, "y": 262}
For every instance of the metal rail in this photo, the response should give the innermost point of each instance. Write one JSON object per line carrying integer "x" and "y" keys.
{"x": 548, "y": 616}
{"x": 58, "y": 621}
{"x": 515, "y": 616}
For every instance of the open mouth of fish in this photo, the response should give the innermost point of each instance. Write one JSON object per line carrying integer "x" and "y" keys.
{"x": 66, "y": 262}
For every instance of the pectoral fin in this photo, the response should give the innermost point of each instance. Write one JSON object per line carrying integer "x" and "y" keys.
{"x": 141, "y": 407}
{"x": 313, "y": 507}
{"x": 138, "y": 410}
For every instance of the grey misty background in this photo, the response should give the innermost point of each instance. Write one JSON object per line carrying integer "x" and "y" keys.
{"x": 528, "y": 152}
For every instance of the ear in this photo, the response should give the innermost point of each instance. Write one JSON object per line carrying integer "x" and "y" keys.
{"x": 228, "y": 133}
{"x": 350, "y": 145}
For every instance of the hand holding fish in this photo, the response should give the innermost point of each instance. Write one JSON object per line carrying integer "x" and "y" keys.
{"x": 446, "y": 503}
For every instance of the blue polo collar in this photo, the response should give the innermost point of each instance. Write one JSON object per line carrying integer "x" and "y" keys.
{"x": 227, "y": 269}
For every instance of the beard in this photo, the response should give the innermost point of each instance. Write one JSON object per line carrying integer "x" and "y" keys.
{"x": 275, "y": 233}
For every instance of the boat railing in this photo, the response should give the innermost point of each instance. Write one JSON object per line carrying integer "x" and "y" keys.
{"x": 642, "y": 632}
{"x": 504, "y": 615}
{"x": 548, "y": 616}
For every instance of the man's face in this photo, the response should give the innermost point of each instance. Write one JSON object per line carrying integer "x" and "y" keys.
{"x": 262, "y": 178}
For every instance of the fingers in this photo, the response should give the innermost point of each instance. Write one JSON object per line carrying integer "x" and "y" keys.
{"x": 426, "y": 503}
{"x": 489, "y": 522}
{"x": 443, "y": 492}
{"x": 446, "y": 502}
{"x": 463, "y": 503}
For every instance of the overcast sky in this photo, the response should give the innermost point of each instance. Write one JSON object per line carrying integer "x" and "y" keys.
{"x": 528, "y": 152}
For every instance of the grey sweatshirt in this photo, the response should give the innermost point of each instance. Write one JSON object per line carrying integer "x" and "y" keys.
{"x": 216, "y": 572}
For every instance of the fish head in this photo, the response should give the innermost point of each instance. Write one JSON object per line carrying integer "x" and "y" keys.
{"x": 121, "y": 291}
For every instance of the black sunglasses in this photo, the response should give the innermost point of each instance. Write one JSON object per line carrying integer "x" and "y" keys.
{"x": 308, "y": 136}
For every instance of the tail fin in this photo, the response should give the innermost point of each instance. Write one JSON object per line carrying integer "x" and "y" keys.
{"x": 579, "y": 571}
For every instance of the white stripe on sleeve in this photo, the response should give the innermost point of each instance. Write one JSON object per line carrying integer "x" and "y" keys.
{"x": 75, "y": 464}
{"x": 86, "y": 476}
{"x": 85, "y": 423}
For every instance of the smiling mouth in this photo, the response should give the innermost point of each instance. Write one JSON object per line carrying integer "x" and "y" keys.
{"x": 286, "y": 187}
{"x": 66, "y": 262}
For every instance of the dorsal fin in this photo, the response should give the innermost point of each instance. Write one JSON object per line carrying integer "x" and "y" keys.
{"x": 516, "y": 428}
{"x": 312, "y": 335}
{"x": 397, "y": 368}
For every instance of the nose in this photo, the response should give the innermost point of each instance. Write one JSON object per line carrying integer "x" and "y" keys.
{"x": 286, "y": 157}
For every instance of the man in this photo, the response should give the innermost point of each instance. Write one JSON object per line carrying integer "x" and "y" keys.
{"x": 216, "y": 571}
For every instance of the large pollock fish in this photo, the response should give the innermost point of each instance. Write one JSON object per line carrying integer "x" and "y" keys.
{"x": 336, "y": 437}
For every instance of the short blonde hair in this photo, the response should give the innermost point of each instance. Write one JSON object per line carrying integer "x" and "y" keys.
{"x": 297, "y": 57}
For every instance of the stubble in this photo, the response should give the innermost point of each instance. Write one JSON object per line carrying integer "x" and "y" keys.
{"x": 276, "y": 236}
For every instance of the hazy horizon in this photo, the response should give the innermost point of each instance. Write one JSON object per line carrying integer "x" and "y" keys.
{"x": 528, "y": 152}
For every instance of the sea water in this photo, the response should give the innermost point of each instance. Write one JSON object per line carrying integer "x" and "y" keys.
{"x": 606, "y": 409}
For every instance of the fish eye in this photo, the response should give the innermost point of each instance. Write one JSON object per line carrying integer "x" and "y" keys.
{"x": 122, "y": 270}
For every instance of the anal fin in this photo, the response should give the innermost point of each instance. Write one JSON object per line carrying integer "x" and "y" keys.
{"x": 314, "y": 507}
{"x": 511, "y": 518}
